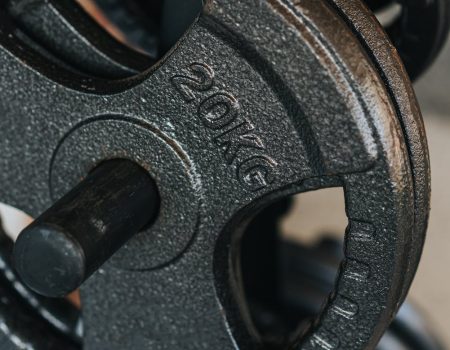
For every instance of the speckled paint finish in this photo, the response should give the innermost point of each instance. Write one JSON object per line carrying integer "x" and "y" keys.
{"x": 260, "y": 100}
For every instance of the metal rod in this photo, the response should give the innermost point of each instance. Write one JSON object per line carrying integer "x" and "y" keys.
{"x": 71, "y": 240}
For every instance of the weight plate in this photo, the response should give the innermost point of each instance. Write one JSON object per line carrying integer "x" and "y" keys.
{"x": 64, "y": 31}
{"x": 419, "y": 32}
{"x": 388, "y": 63}
{"x": 138, "y": 20}
{"x": 314, "y": 112}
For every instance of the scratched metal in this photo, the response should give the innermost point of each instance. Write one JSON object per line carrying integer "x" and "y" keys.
{"x": 260, "y": 100}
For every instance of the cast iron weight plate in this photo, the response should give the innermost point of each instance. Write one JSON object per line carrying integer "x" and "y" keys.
{"x": 419, "y": 32}
{"x": 66, "y": 33}
{"x": 388, "y": 64}
{"x": 325, "y": 119}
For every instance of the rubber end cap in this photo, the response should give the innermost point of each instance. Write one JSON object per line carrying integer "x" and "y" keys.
{"x": 48, "y": 261}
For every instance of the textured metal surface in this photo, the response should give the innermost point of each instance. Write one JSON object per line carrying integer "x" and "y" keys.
{"x": 394, "y": 74}
{"x": 305, "y": 277}
{"x": 67, "y": 243}
{"x": 66, "y": 32}
{"x": 28, "y": 321}
{"x": 258, "y": 101}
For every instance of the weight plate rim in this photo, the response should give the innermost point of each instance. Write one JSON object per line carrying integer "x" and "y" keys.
{"x": 392, "y": 71}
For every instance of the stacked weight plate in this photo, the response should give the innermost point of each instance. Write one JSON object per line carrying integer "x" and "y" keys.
{"x": 258, "y": 101}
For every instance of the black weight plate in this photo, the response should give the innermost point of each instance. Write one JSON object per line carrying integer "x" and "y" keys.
{"x": 230, "y": 121}
{"x": 420, "y": 33}
{"x": 67, "y": 32}
{"x": 388, "y": 62}
{"x": 139, "y": 20}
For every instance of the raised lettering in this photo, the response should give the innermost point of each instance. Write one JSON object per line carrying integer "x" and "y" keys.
{"x": 356, "y": 270}
{"x": 344, "y": 307}
{"x": 361, "y": 231}
{"x": 199, "y": 78}
{"x": 218, "y": 111}
{"x": 324, "y": 340}
{"x": 221, "y": 113}
{"x": 237, "y": 138}
{"x": 257, "y": 173}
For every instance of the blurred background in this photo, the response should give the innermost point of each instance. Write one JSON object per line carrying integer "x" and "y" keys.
{"x": 431, "y": 288}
